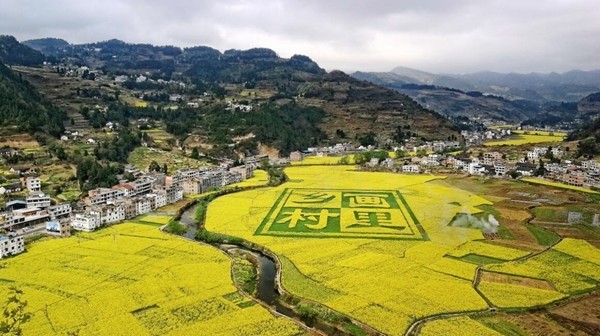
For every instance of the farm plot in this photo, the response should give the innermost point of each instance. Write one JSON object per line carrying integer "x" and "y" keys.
{"x": 141, "y": 157}
{"x": 464, "y": 326}
{"x": 378, "y": 247}
{"x": 323, "y": 160}
{"x": 370, "y": 245}
{"x": 131, "y": 279}
{"x": 523, "y": 139}
{"x": 572, "y": 267}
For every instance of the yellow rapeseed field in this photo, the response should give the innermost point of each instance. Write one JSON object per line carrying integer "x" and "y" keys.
{"x": 378, "y": 247}
{"x": 485, "y": 249}
{"x": 385, "y": 283}
{"x": 564, "y": 267}
{"x": 557, "y": 184}
{"x": 513, "y": 296}
{"x": 322, "y": 160}
{"x": 132, "y": 279}
{"x": 260, "y": 178}
{"x": 456, "y": 326}
{"x": 523, "y": 139}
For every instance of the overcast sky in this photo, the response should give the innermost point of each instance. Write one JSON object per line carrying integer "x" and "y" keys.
{"x": 452, "y": 36}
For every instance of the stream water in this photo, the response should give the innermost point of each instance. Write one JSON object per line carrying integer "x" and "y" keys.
{"x": 266, "y": 291}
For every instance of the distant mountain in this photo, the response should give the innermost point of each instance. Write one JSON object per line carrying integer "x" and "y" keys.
{"x": 48, "y": 46}
{"x": 14, "y": 53}
{"x": 590, "y": 106}
{"x": 589, "y": 133}
{"x": 569, "y": 87}
{"x": 471, "y": 104}
{"x": 22, "y": 106}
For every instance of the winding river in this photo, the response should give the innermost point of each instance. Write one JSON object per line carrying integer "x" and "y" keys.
{"x": 266, "y": 289}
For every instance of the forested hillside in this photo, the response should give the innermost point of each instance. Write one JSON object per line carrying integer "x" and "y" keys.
{"x": 22, "y": 106}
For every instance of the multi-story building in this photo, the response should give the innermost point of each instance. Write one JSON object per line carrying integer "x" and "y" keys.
{"x": 174, "y": 194}
{"x": 60, "y": 210}
{"x": 192, "y": 185}
{"x": 412, "y": 168}
{"x": 138, "y": 187}
{"x": 143, "y": 205}
{"x": 188, "y": 173}
{"x": 575, "y": 178}
{"x": 38, "y": 200}
{"x": 10, "y": 245}
{"x": 490, "y": 158}
{"x": 61, "y": 228}
{"x": 174, "y": 181}
{"x": 158, "y": 198}
{"x": 246, "y": 171}
{"x": 231, "y": 177}
{"x": 591, "y": 165}
{"x": 88, "y": 221}
{"x": 133, "y": 170}
{"x": 296, "y": 156}
{"x": 111, "y": 213}
{"x": 20, "y": 218}
{"x": 102, "y": 195}
{"x": 33, "y": 184}
{"x": 499, "y": 168}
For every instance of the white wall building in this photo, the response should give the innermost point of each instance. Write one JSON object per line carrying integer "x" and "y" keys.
{"x": 33, "y": 184}
{"x": 476, "y": 169}
{"x": 103, "y": 195}
{"x": 88, "y": 222}
{"x": 60, "y": 210}
{"x": 160, "y": 198}
{"x": 143, "y": 205}
{"x": 38, "y": 200}
{"x": 111, "y": 213}
{"x": 411, "y": 169}
{"x": 11, "y": 245}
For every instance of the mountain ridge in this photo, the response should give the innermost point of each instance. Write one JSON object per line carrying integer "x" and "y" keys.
{"x": 353, "y": 108}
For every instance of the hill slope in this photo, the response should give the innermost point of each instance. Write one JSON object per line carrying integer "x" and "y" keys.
{"x": 351, "y": 106}
{"x": 48, "y": 46}
{"x": 14, "y": 53}
{"x": 21, "y": 105}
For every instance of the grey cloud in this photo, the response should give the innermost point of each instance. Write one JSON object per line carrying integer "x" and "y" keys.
{"x": 376, "y": 35}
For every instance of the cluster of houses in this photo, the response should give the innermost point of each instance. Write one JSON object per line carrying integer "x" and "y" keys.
{"x": 104, "y": 206}
{"x": 35, "y": 209}
{"x": 151, "y": 191}
{"x": 476, "y": 138}
{"x": 232, "y": 106}
{"x": 495, "y": 164}
{"x": 411, "y": 145}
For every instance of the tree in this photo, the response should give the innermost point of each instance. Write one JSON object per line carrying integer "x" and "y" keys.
{"x": 514, "y": 174}
{"x": 154, "y": 167}
{"x": 541, "y": 171}
{"x": 400, "y": 153}
{"x": 164, "y": 169}
{"x": 14, "y": 314}
{"x": 195, "y": 155}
